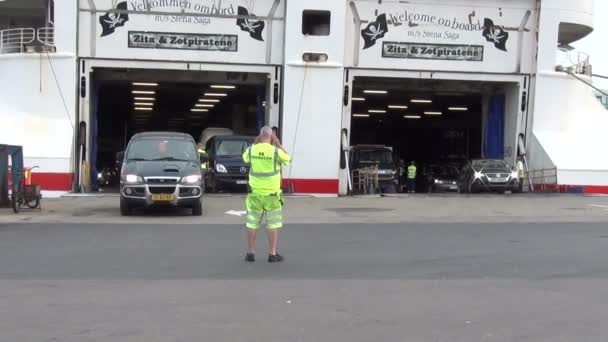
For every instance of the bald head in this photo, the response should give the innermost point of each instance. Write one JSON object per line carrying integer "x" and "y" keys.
{"x": 266, "y": 132}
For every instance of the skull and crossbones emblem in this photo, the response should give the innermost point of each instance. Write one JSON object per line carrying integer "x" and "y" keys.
{"x": 249, "y": 26}
{"x": 374, "y": 32}
{"x": 114, "y": 20}
{"x": 496, "y": 34}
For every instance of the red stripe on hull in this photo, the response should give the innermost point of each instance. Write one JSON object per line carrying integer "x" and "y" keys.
{"x": 313, "y": 186}
{"x": 598, "y": 190}
{"x": 53, "y": 181}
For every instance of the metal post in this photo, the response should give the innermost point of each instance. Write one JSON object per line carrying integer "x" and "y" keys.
{"x": 528, "y": 173}
{"x": 542, "y": 180}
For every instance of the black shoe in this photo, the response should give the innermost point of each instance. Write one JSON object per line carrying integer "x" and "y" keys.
{"x": 275, "y": 258}
{"x": 250, "y": 257}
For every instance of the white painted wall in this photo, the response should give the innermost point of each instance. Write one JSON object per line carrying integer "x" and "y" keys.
{"x": 34, "y": 88}
{"x": 572, "y": 127}
{"x": 33, "y": 113}
{"x": 319, "y": 89}
{"x": 569, "y": 124}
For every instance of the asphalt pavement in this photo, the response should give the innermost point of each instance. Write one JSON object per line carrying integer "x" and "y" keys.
{"x": 340, "y": 282}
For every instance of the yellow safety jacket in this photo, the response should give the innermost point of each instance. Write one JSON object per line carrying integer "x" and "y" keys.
{"x": 520, "y": 169}
{"x": 202, "y": 152}
{"x": 265, "y": 171}
{"x": 411, "y": 172}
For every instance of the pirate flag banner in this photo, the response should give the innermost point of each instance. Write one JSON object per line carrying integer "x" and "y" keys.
{"x": 374, "y": 31}
{"x": 495, "y": 34}
{"x": 254, "y": 27}
{"x": 110, "y": 21}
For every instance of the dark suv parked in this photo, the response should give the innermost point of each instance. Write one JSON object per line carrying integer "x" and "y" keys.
{"x": 161, "y": 169}
{"x": 226, "y": 166}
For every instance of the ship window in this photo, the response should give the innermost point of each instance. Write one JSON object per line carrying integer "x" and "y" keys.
{"x": 316, "y": 23}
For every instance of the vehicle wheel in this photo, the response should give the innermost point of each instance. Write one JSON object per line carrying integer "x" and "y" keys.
{"x": 197, "y": 208}
{"x": 15, "y": 199}
{"x": 15, "y": 204}
{"x": 213, "y": 186}
{"x": 125, "y": 209}
{"x": 463, "y": 189}
{"x": 33, "y": 204}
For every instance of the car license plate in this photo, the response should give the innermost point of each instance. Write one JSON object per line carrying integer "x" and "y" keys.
{"x": 498, "y": 180}
{"x": 453, "y": 187}
{"x": 241, "y": 182}
{"x": 163, "y": 198}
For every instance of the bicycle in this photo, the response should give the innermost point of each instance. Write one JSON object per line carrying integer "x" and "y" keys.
{"x": 25, "y": 195}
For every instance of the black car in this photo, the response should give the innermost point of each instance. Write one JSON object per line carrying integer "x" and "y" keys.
{"x": 363, "y": 156}
{"x": 488, "y": 175}
{"x": 161, "y": 169}
{"x": 442, "y": 178}
{"x": 227, "y": 170}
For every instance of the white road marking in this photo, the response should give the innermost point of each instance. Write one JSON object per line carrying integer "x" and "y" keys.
{"x": 599, "y": 206}
{"x": 236, "y": 213}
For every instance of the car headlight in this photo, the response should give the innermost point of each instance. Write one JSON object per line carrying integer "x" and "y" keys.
{"x": 514, "y": 174}
{"x": 99, "y": 175}
{"x": 221, "y": 168}
{"x": 133, "y": 179}
{"x": 478, "y": 175}
{"x": 193, "y": 179}
{"x": 437, "y": 181}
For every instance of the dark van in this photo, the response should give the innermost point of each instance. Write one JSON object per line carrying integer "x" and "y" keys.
{"x": 227, "y": 170}
{"x": 161, "y": 168}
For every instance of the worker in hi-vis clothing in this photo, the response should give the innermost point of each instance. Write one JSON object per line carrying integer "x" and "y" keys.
{"x": 202, "y": 152}
{"x": 265, "y": 198}
{"x": 521, "y": 173}
{"x": 411, "y": 178}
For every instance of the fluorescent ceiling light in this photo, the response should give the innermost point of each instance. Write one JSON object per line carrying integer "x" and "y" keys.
{"x": 143, "y": 104}
{"x": 397, "y": 107}
{"x": 361, "y": 115}
{"x": 204, "y": 105}
{"x": 377, "y": 111}
{"x": 421, "y": 101}
{"x": 144, "y": 92}
{"x": 412, "y": 117}
{"x": 458, "y": 109}
{"x": 199, "y": 110}
{"x": 142, "y": 84}
{"x": 216, "y": 94}
{"x": 143, "y": 108}
{"x": 358, "y": 99}
{"x": 209, "y": 100}
{"x": 375, "y": 91}
{"x": 144, "y": 99}
{"x": 223, "y": 87}
{"x": 433, "y": 113}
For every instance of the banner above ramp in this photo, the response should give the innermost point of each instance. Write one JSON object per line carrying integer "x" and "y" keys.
{"x": 244, "y": 31}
